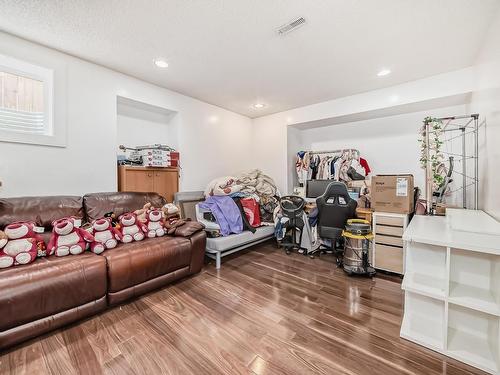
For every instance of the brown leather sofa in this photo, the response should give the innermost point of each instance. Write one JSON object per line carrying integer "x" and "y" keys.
{"x": 52, "y": 291}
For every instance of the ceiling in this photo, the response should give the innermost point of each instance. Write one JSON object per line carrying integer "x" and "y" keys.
{"x": 227, "y": 52}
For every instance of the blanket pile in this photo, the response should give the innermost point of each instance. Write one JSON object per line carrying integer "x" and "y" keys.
{"x": 247, "y": 184}
{"x": 253, "y": 184}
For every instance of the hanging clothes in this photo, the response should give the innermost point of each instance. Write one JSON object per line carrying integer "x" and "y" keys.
{"x": 314, "y": 166}
{"x": 338, "y": 165}
{"x": 302, "y": 163}
{"x": 354, "y": 175}
{"x": 344, "y": 165}
{"x": 365, "y": 165}
{"x": 356, "y": 165}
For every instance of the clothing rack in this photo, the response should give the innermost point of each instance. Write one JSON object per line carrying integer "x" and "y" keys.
{"x": 333, "y": 151}
{"x": 325, "y": 158}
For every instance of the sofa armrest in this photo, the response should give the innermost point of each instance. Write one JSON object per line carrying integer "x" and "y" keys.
{"x": 198, "y": 243}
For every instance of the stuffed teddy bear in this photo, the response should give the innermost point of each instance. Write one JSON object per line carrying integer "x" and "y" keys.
{"x": 172, "y": 218}
{"x": 153, "y": 226}
{"x": 3, "y": 239}
{"x": 170, "y": 209}
{"x": 67, "y": 238}
{"x": 105, "y": 235}
{"x": 19, "y": 244}
{"x": 141, "y": 214}
{"x": 130, "y": 227}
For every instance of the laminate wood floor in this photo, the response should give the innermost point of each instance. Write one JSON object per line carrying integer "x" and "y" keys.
{"x": 263, "y": 313}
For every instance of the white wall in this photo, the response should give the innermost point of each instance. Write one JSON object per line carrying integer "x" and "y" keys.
{"x": 389, "y": 144}
{"x": 212, "y": 141}
{"x": 134, "y": 131}
{"x": 141, "y": 124}
{"x": 270, "y": 132}
{"x": 295, "y": 143}
{"x": 486, "y": 101}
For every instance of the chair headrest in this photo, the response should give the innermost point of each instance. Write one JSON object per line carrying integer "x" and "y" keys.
{"x": 335, "y": 189}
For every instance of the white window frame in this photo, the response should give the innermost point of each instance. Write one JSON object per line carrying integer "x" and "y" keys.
{"x": 54, "y": 132}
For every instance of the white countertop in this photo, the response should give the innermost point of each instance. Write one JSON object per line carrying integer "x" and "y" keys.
{"x": 462, "y": 229}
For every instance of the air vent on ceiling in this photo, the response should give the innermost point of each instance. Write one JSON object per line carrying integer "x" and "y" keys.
{"x": 292, "y": 25}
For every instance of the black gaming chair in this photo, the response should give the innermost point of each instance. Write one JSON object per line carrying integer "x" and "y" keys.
{"x": 335, "y": 207}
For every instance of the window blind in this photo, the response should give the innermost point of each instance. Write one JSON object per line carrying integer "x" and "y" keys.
{"x": 22, "y": 121}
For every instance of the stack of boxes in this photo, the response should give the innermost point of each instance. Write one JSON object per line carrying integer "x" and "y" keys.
{"x": 156, "y": 155}
{"x": 159, "y": 158}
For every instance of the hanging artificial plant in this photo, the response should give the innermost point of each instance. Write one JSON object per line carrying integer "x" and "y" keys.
{"x": 435, "y": 143}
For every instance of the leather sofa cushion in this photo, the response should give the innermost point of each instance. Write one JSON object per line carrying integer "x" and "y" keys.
{"x": 189, "y": 228}
{"x": 47, "y": 208}
{"x": 136, "y": 262}
{"x": 98, "y": 204}
{"x": 26, "y": 331}
{"x": 49, "y": 286}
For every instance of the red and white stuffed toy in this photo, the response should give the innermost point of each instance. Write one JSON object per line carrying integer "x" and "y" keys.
{"x": 105, "y": 235}
{"x": 130, "y": 228}
{"x": 153, "y": 225}
{"x": 19, "y": 244}
{"x": 68, "y": 238}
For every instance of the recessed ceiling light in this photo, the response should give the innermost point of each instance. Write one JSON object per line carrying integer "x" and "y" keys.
{"x": 259, "y": 105}
{"x": 384, "y": 72}
{"x": 160, "y": 63}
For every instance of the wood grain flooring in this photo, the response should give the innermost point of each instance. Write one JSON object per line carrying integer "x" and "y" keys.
{"x": 263, "y": 313}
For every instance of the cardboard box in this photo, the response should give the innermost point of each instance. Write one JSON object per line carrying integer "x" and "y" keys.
{"x": 359, "y": 184}
{"x": 160, "y": 163}
{"x": 393, "y": 193}
{"x": 160, "y": 154}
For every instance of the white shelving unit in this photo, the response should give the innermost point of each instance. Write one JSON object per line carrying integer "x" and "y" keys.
{"x": 473, "y": 337}
{"x": 425, "y": 321}
{"x": 426, "y": 270}
{"x": 475, "y": 281}
{"x": 452, "y": 287}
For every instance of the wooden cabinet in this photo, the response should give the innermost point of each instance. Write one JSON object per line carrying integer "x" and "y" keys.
{"x": 164, "y": 181}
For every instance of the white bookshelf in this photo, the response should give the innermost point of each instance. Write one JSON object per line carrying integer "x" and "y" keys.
{"x": 425, "y": 321}
{"x": 473, "y": 338}
{"x": 475, "y": 280}
{"x": 426, "y": 270}
{"x": 452, "y": 287}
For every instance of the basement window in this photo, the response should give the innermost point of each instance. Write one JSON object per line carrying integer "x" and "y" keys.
{"x": 26, "y": 103}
